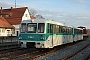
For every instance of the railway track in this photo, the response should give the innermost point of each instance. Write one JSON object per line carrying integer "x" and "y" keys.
{"x": 73, "y": 54}
{"x": 9, "y": 50}
{"x": 88, "y": 57}
{"x": 34, "y": 54}
{"x": 10, "y": 45}
{"x": 42, "y": 54}
{"x": 20, "y": 56}
{"x": 12, "y": 52}
{"x": 30, "y": 55}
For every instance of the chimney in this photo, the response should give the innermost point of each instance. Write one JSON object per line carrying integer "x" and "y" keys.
{"x": 11, "y": 8}
{"x": 1, "y": 9}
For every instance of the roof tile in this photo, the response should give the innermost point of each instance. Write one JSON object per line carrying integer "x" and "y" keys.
{"x": 4, "y": 23}
{"x": 13, "y": 15}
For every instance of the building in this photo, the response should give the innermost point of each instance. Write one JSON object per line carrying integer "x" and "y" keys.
{"x": 14, "y": 16}
{"x": 6, "y": 28}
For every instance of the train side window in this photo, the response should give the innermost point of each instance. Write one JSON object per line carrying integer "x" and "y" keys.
{"x": 70, "y": 30}
{"x": 62, "y": 29}
{"x": 48, "y": 28}
{"x": 51, "y": 28}
{"x": 66, "y": 30}
{"x": 41, "y": 27}
{"x": 55, "y": 29}
{"x": 59, "y": 29}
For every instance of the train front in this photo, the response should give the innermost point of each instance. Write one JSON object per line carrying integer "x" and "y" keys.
{"x": 32, "y": 35}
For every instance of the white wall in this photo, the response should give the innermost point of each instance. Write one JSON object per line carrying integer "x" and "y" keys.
{"x": 26, "y": 17}
{"x": 5, "y": 32}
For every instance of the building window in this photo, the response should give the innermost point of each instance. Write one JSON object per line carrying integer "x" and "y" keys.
{"x": 13, "y": 31}
{"x": 26, "y": 15}
{"x": 3, "y": 30}
{"x": 0, "y": 30}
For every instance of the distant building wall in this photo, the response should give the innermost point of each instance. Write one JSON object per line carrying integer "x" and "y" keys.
{"x": 16, "y": 32}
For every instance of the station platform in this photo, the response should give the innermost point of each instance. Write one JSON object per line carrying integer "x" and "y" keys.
{"x": 9, "y": 44}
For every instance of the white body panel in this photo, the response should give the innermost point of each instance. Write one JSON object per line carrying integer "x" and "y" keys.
{"x": 59, "y": 40}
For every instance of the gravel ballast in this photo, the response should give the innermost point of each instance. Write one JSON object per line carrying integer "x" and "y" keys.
{"x": 59, "y": 54}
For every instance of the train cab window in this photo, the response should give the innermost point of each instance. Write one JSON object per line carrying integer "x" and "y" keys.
{"x": 63, "y": 29}
{"x": 70, "y": 30}
{"x": 23, "y": 27}
{"x": 59, "y": 29}
{"x": 51, "y": 28}
{"x": 41, "y": 27}
{"x": 31, "y": 27}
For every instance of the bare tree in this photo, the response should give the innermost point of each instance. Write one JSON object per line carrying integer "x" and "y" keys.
{"x": 32, "y": 12}
{"x": 39, "y": 17}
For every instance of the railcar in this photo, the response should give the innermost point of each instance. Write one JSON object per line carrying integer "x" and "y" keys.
{"x": 85, "y": 34}
{"x": 42, "y": 33}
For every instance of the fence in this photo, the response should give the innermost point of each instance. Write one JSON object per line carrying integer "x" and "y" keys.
{"x": 8, "y": 39}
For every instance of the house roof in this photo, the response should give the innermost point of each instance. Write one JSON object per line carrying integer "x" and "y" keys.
{"x": 14, "y": 21}
{"x": 13, "y": 15}
{"x": 32, "y": 17}
{"x": 4, "y": 23}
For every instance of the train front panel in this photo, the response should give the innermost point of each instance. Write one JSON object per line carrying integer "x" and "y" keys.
{"x": 35, "y": 35}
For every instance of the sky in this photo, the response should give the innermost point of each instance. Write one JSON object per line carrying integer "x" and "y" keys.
{"x": 69, "y": 12}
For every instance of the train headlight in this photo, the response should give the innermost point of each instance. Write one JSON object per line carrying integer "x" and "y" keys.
{"x": 20, "y": 38}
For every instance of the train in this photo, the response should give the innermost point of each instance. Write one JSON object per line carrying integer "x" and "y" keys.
{"x": 42, "y": 33}
{"x": 85, "y": 32}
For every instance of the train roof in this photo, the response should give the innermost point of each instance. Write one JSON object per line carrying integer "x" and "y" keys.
{"x": 26, "y": 21}
{"x": 79, "y": 28}
{"x": 48, "y": 21}
{"x": 82, "y": 27}
{"x": 42, "y": 21}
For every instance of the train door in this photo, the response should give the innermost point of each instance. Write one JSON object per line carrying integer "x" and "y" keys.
{"x": 52, "y": 33}
{"x": 17, "y": 33}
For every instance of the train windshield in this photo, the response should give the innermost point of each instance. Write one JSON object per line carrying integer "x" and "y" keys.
{"x": 35, "y": 28}
{"x": 23, "y": 27}
{"x": 32, "y": 27}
